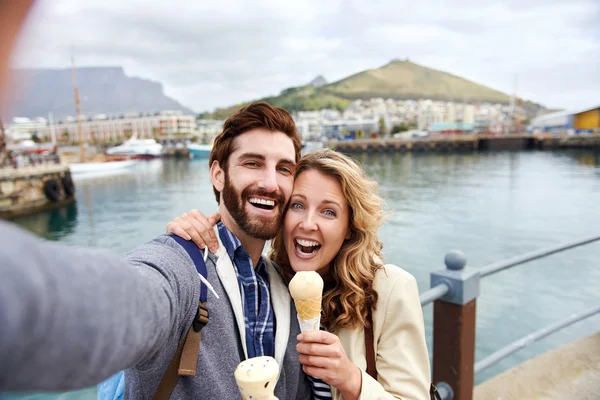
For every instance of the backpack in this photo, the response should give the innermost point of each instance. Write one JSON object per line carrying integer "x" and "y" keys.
{"x": 184, "y": 361}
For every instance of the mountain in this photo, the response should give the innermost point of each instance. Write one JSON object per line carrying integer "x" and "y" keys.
{"x": 318, "y": 81}
{"x": 102, "y": 90}
{"x": 399, "y": 79}
{"x": 407, "y": 80}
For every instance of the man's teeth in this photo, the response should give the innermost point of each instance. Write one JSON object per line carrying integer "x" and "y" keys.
{"x": 263, "y": 202}
{"x": 307, "y": 243}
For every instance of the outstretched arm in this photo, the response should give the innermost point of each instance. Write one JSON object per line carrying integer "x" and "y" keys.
{"x": 71, "y": 317}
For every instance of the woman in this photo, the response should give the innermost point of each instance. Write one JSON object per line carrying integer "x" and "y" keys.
{"x": 331, "y": 227}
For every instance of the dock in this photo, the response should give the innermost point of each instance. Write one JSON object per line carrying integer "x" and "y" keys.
{"x": 465, "y": 143}
{"x": 32, "y": 189}
{"x": 568, "y": 372}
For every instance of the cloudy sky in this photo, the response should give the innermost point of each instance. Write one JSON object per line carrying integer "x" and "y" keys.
{"x": 212, "y": 53}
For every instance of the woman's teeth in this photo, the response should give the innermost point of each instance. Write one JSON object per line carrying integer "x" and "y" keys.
{"x": 307, "y": 243}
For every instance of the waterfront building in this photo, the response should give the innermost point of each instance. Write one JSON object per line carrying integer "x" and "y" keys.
{"x": 102, "y": 128}
{"x": 585, "y": 120}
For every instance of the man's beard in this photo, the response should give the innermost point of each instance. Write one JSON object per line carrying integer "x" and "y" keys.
{"x": 264, "y": 228}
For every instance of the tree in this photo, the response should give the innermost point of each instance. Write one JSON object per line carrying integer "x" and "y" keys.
{"x": 382, "y": 127}
{"x": 399, "y": 128}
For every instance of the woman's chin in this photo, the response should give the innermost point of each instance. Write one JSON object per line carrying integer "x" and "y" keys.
{"x": 297, "y": 267}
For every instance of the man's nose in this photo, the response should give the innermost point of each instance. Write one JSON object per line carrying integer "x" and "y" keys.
{"x": 269, "y": 181}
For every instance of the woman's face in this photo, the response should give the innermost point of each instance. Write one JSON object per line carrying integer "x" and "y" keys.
{"x": 316, "y": 223}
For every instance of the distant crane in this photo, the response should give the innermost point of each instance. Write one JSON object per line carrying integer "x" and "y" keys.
{"x": 515, "y": 110}
{"x": 78, "y": 109}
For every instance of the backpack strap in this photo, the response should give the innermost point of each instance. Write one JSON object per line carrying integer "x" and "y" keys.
{"x": 185, "y": 358}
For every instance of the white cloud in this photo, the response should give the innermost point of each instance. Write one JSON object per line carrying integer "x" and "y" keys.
{"x": 210, "y": 54}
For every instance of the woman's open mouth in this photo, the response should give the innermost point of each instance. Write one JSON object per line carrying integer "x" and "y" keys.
{"x": 306, "y": 248}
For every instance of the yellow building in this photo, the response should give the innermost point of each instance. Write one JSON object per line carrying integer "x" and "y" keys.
{"x": 587, "y": 119}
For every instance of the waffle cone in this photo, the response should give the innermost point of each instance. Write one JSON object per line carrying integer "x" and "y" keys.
{"x": 308, "y": 309}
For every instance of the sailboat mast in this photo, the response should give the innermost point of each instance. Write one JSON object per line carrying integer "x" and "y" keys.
{"x": 78, "y": 108}
{"x": 2, "y": 144}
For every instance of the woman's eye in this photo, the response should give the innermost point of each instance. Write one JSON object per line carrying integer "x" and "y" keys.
{"x": 330, "y": 213}
{"x": 296, "y": 206}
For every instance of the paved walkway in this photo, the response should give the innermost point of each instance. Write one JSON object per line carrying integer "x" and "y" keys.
{"x": 569, "y": 372}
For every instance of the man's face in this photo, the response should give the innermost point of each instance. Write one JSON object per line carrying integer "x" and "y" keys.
{"x": 258, "y": 182}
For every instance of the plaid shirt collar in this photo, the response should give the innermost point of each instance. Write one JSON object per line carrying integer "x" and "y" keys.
{"x": 234, "y": 246}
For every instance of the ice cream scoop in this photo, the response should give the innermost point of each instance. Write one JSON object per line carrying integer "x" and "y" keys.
{"x": 256, "y": 378}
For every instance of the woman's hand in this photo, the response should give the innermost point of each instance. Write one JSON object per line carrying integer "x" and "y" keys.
{"x": 322, "y": 356}
{"x": 195, "y": 226}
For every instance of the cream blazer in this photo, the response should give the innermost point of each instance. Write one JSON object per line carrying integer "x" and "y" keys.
{"x": 402, "y": 360}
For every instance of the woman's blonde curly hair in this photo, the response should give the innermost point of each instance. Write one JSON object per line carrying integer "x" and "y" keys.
{"x": 349, "y": 292}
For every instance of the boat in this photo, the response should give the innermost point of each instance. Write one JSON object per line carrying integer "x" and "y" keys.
{"x": 28, "y": 146}
{"x": 137, "y": 148}
{"x": 310, "y": 146}
{"x": 199, "y": 150}
{"x": 102, "y": 166}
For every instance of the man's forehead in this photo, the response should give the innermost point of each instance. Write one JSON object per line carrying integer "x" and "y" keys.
{"x": 266, "y": 144}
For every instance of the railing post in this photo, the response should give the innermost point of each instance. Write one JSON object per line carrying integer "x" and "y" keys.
{"x": 454, "y": 318}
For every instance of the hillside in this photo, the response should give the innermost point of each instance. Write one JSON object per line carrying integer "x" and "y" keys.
{"x": 102, "y": 90}
{"x": 407, "y": 80}
{"x": 397, "y": 80}
{"x": 302, "y": 98}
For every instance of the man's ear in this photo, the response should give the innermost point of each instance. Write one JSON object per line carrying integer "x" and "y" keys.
{"x": 217, "y": 176}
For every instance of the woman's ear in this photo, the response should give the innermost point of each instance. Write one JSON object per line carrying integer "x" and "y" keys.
{"x": 349, "y": 234}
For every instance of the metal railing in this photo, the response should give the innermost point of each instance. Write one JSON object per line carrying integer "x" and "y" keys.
{"x": 455, "y": 291}
{"x": 431, "y": 295}
{"x": 532, "y": 338}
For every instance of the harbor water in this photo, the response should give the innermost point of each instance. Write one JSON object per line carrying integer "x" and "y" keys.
{"x": 491, "y": 206}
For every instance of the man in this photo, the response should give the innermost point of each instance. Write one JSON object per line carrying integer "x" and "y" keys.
{"x": 71, "y": 317}
{"x": 252, "y": 169}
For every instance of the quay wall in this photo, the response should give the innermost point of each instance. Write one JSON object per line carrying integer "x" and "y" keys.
{"x": 33, "y": 189}
{"x": 471, "y": 143}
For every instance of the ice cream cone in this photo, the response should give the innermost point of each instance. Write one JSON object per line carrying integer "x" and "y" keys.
{"x": 309, "y": 308}
{"x": 306, "y": 288}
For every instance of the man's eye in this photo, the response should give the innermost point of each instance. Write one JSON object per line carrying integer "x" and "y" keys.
{"x": 251, "y": 164}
